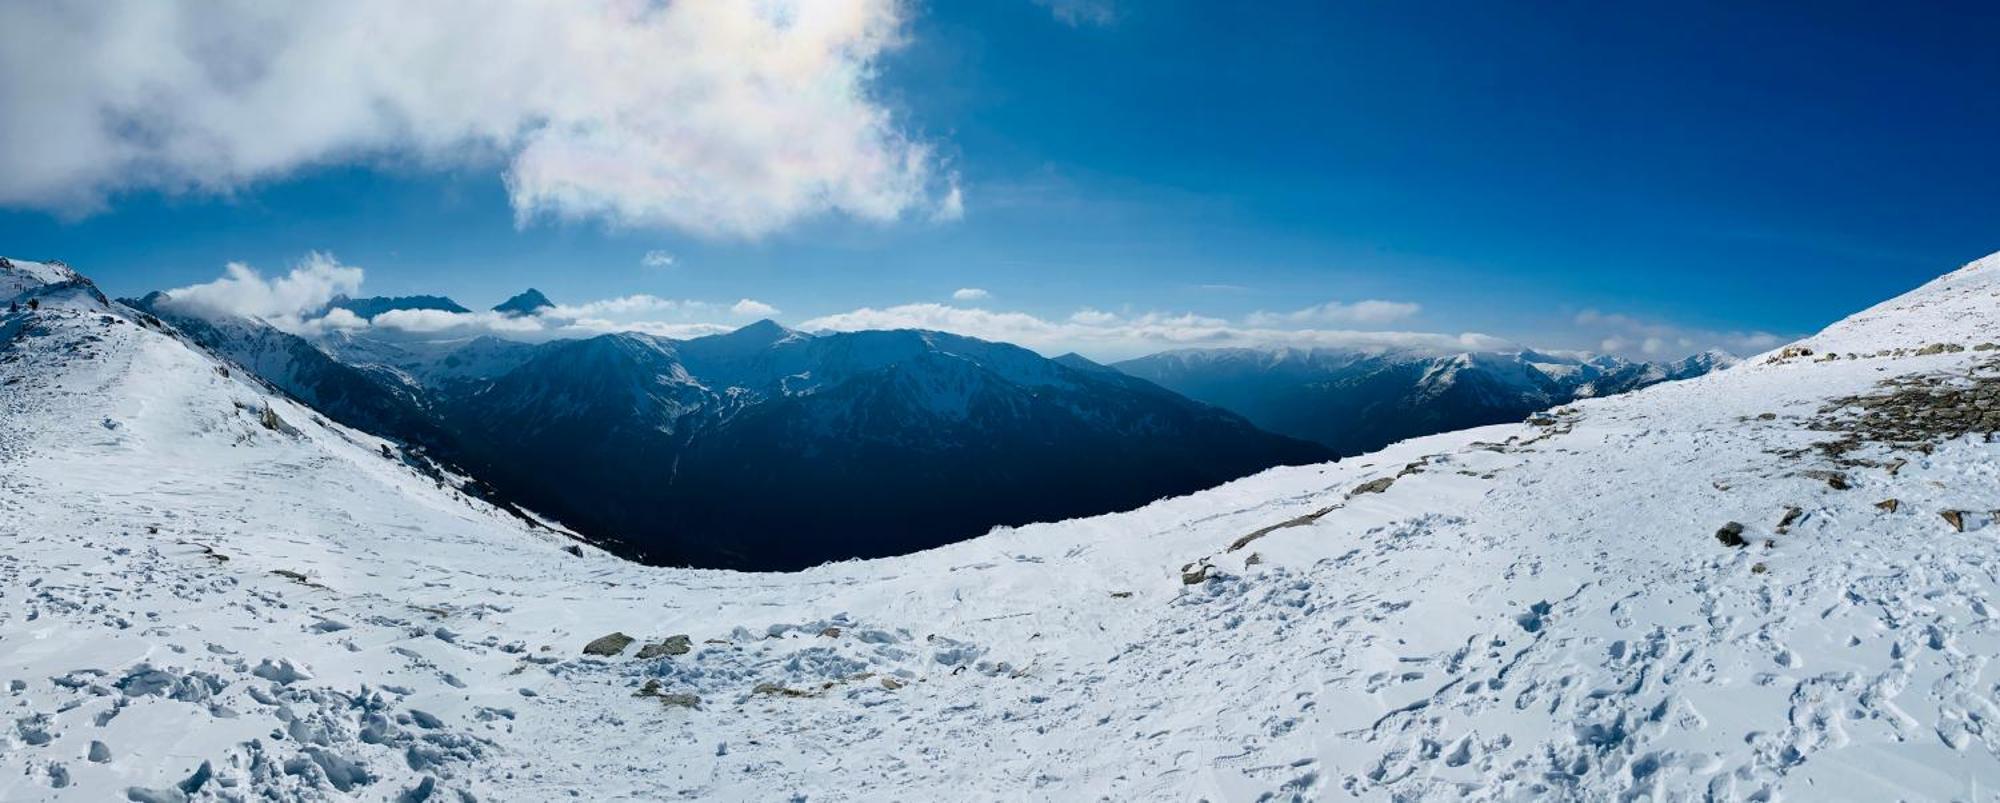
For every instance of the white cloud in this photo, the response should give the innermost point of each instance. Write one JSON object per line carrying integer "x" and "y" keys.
{"x": 952, "y": 208}
{"x": 1081, "y": 12}
{"x": 657, "y": 259}
{"x": 1110, "y": 336}
{"x": 429, "y": 321}
{"x": 1092, "y": 317}
{"x": 752, "y": 308}
{"x": 296, "y": 302}
{"x": 970, "y": 294}
{"x": 1626, "y": 335}
{"x": 625, "y": 306}
{"x": 343, "y": 318}
{"x": 284, "y": 301}
{"x": 1371, "y": 312}
{"x": 720, "y": 117}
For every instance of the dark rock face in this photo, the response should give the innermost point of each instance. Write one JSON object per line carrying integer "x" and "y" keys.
{"x": 1731, "y": 535}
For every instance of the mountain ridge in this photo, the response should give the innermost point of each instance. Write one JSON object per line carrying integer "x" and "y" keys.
{"x": 1354, "y": 401}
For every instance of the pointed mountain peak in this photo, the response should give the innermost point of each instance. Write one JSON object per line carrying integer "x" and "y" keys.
{"x": 764, "y": 331}
{"x": 18, "y": 277}
{"x": 527, "y": 303}
{"x": 1080, "y": 362}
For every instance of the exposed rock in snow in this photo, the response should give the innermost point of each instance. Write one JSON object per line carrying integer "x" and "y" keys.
{"x": 612, "y": 644}
{"x": 1537, "y": 613}
{"x": 673, "y": 645}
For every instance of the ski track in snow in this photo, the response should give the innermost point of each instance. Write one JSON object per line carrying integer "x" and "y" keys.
{"x": 194, "y": 606}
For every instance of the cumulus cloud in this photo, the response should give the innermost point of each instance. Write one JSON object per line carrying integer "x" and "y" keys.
{"x": 752, "y": 308}
{"x": 721, "y": 117}
{"x": 1371, "y": 312}
{"x": 1092, "y": 317}
{"x": 343, "y": 319}
{"x": 1112, "y": 336}
{"x": 285, "y": 301}
{"x": 1626, "y": 335}
{"x": 970, "y": 294}
{"x": 657, "y": 259}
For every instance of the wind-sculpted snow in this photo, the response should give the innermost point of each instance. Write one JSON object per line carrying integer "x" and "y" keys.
{"x": 195, "y": 605}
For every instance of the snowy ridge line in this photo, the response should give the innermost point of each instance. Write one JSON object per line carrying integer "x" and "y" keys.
{"x": 1542, "y": 610}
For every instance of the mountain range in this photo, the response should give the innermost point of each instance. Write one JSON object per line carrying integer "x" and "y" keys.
{"x": 1355, "y": 401}
{"x": 723, "y": 451}
{"x": 765, "y": 448}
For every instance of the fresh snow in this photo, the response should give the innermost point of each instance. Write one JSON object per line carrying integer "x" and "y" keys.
{"x": 21, "y": 276}
{"x": 202, "y": 601}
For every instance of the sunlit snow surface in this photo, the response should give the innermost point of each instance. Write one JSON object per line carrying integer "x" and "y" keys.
{"x": 1535, "y": 611}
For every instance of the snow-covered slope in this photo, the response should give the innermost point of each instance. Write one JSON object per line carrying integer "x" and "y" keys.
{"x": 20, "y": 277}
{"x": 1558, "y": 609}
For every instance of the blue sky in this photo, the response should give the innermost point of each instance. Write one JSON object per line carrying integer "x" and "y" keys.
{"x": 1573, "y": 175}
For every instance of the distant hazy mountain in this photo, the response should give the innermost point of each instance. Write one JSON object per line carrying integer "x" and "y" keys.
{"x": 368, "y": 308}
{"x": 1357, "y": 401}
{"x": 526, "y": 303}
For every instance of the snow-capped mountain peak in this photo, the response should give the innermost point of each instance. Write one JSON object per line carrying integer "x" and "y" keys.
{"x": 20, "y": 278}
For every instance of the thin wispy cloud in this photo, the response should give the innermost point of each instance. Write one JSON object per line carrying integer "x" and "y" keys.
{"x": 1616, "y": 333}
{"x": 1081, "y": 12}
{"x": 970, "y": 294}
{"x": 1369, "y": 313}
{"x": 657, "y": 260}
{"x": 718, "y": 117}
{"x": 1107, "y": 335}
{"x": 952, "y": 207}
{"x": 752, "y": 308}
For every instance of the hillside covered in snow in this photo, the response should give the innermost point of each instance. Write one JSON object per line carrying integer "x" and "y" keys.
{"x": 1774, "y": 581}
